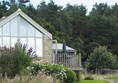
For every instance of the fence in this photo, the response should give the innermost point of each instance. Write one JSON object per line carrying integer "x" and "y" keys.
{"x": 71, "y": 61}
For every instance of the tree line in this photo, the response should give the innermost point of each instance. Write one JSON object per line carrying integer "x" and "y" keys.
{"x": 81, "y": 31}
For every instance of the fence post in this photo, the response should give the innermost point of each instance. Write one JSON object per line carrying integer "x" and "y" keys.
{"x": 79, "y": 60}
{"x": 80, "y": 67}
{"x": 0, "y": 77}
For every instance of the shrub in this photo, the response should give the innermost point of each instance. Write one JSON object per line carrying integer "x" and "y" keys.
{"x": 59, "y": 71}
{"x": 14, "y": 60}
{"x": 7, "y": 60}
{"x": 23, "y": 58}
{"x": 101, "y": 58}
{"x": 71, "y": 76}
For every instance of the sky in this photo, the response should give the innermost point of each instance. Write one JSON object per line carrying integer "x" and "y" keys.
{"x": 88, "y": 3}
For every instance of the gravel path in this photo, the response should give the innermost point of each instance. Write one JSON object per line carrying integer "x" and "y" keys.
{"x": 111, "y": 81}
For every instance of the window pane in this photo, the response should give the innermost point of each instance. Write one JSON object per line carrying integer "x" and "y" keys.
{"x": 30, "y": 30}
{"x": 31, "y": 43}
{"x": 14, "y": 27}
{"x": 23, "y": 41}
{"x": 23, "y": 27}
{"x": 39, "y": 47}
{"x": 0, "y": 30}
{"x": 0, "y": 42}
{"x": 6, "y": 41}
{"x": 6, "y": 29}
{"x": 13, "y": 41}
{"x": 38, "y": 33}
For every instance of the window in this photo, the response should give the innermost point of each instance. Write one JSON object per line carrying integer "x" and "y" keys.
{"x": 26, "y": 33}
{"x": 23, "y": 41}
{"x": 31, "y": 43}
{"x": 13, "y": 41}
{"x": 14, "y": 27}
{"x": 0, "y": 31}
{"x": 38, "y": 33}
{"x": 39, "y": 47}
{"x": 30, "y": 30}
{"x": 23, "y": 27}
{"x": 6, "y": 41}
{"x": 6, "y": 29}
{"x": 0, "y": 41}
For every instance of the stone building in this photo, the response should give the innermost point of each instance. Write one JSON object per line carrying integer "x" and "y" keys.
{"x": 20, "y": 27}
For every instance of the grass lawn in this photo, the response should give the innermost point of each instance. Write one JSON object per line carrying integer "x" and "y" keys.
{"x": 116, "y": 80}
{"x": 93, "y": 81}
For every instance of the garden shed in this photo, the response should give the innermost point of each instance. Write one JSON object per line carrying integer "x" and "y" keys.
{"x": 19, "y": 27}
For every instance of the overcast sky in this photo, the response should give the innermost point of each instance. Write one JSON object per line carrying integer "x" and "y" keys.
{"x": 88, "y": 3}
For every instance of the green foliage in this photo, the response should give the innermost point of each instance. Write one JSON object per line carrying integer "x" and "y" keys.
{"x": 71, "y": 76}
{"x": 101, "y": 58}
{"x": 49, "y": 69}
{"x": 85, "y": 32}
{"x": 59, "y": 71}
{"x": 7, "y": 61}
{"x": 23, "y": 58}
{"x": 14, "y": 60}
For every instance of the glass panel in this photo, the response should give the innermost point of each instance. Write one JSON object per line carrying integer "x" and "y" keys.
{"x": 30, "y": 30}
{"x": 0, "y": 30}
{"x": 6, "y": 41}
{"x": 39, "y": 47}
{"x": 23, "y": 27}
{"x": 6, "y": 29}
{"x": 31, "y": 43}
{"x": 14, "y": 27}
{"x": 38, "y": 33}
{"x": 13, "y": 41}
{"x": 23, "y": 41}
{"x": 0, "y": 42}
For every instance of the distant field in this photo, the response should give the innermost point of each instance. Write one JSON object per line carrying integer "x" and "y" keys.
{"x": 94, "y": 81}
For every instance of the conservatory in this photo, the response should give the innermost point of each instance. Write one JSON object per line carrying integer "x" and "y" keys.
{"x": 18, "y": 27}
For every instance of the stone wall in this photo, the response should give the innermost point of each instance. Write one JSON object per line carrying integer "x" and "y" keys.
{"x": 47, "y": 47}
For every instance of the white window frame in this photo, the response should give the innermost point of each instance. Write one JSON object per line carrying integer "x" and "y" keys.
{"x": 18, "y": 34}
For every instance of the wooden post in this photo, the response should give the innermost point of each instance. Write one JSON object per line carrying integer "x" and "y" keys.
{"x": 80, "y": 67}
{"x": 79, "y": 60}
{"x": 0, "y": 78}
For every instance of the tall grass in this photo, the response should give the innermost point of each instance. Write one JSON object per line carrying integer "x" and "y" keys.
{"x": 112, "y": 76}
{"x": 40, "y": 78}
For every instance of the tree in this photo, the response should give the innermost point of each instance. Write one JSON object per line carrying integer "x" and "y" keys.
{"x": 101, "y": 58}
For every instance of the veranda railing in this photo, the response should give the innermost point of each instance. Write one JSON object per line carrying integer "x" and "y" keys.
{"x": 71, "y": 61}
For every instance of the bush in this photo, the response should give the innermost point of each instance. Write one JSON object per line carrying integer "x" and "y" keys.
{"x": 101, "y": 58}
{"x": 71, "y": 76}
{"x": 7, "y": 61}
{"x": 14, "y": 60}
{"x": 59, "y": 71}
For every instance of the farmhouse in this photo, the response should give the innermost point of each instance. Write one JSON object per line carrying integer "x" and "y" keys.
{"x": 18, "y": 27}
